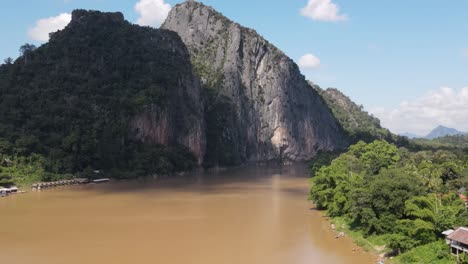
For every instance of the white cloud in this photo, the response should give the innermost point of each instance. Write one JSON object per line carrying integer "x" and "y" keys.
{"x": 152, "y": 12}
{"x": 43, "y": 27}
{"x": 445, "y": 106}
{"x": 323, "y": 10}
{"x": 309, "y": 61}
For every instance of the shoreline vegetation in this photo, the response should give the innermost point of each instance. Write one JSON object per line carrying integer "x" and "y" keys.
{"x": 435, "y": 252}
{"x": 24, "y": 171}
{"x": 340, "y": 230}
{"x": 393, "y": 202}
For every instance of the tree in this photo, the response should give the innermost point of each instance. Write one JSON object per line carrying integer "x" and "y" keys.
{"x": 8, "y": 61}
{"x": 330, "y": 187}
{"x": 391, "y": 189}
{"x": 423, "y": 231}
{"x": 400, "y": 243}
{"x": 421, "y": 207}
{"x": 379, "y": 154}
{"x": 322, "y": 159}
{"x": 26, "y": 48}
{"x": 25, "y": 51}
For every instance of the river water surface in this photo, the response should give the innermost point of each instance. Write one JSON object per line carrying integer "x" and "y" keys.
{"x": 242, "y": 216}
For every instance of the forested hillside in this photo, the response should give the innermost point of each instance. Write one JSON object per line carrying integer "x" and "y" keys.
{"x": 76, "y": 103}
{"x": 359, "y": 124}
{"x": 455, "y": 141}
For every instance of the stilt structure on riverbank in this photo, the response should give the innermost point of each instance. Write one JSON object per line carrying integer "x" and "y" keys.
{"x": 458, "y": 241}
{"x": 76, "y": 181}
{"x": 45, "y": 185}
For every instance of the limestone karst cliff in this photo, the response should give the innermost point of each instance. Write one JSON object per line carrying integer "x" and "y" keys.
{"x": 271, "y": 112}
{"x": 134, "y": 101}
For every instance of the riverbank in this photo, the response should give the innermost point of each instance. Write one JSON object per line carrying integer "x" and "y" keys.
{"x": 435, "y": 253}
{"x": 374, "y": 245}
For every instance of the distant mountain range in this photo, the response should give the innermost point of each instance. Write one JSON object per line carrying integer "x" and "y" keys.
{"x": 442, "y": 131}
{"x": 438, "y": 132}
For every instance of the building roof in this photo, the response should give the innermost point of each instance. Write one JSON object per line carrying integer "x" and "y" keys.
{"x": 447, "y": 232}
{"x": 463, "y": 197}
{"x": 460, "y": 235}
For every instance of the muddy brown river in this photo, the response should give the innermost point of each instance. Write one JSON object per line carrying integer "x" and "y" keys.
{"x": 247, "y": 215}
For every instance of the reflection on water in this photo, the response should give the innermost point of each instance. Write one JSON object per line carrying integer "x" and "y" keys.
{"x": 246, "y": 215}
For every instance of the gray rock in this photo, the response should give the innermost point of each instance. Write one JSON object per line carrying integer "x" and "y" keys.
{"x": 279, "y": 115}
{"x": 180, "y": 121}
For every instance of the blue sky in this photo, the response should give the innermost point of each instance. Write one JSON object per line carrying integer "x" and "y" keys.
{"x": 393, "y": 57}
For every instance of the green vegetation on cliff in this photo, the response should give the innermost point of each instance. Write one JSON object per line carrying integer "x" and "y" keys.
{"x": 359, "y": 124}
{"x": 66, "y": 106}
{"x": 221, "y": 145}
{"x": 409, "y": 198}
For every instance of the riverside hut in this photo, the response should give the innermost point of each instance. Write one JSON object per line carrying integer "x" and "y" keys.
{"x": 458, "y": 240}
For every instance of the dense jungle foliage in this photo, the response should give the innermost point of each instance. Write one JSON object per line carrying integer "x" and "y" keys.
{"x": 456, "y": 141}
{"x": 359, "y": 124}
{"x": 65, "y": 107}
{"x": 410, "y": 197}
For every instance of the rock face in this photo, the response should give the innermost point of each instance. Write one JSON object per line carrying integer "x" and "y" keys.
{"x": 277, "y": 114}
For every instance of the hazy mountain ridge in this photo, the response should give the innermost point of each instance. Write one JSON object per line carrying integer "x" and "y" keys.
{"x": 438, "y": 132}
{"x": 442, "y": 131}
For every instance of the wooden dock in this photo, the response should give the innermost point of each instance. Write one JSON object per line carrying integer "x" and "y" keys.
{"x": 46, "y": 185}
{"x": 76, "y": 181}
